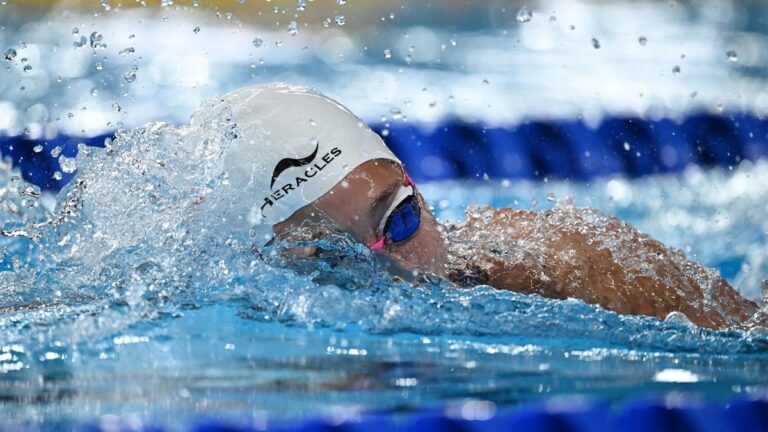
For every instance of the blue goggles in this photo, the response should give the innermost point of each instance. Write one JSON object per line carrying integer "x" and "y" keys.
{"x": 402, "y": 220}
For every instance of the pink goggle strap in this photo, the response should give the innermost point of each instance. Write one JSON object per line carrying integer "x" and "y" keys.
{"x": 379, "y": 245}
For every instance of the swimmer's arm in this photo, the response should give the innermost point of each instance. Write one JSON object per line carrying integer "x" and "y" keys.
{"x": 525, "y": 278}
{"x": 596, "y": 277}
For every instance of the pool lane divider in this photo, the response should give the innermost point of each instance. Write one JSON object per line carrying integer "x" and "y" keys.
{"x": 674, "y": 413}
{"x": 553, "y": 149}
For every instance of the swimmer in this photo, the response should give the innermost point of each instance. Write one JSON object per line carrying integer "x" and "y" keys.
{"x": 307, "y": 164}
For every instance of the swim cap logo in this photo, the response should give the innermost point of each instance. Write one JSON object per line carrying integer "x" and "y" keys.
{"x": 292, "y": 163}
{"x": 306, "y": 176}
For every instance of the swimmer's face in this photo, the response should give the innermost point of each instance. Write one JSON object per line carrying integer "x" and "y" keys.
{"x": 359, "y": 203}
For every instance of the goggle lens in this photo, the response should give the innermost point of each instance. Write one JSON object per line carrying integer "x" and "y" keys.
{"x": 403, "y": 221}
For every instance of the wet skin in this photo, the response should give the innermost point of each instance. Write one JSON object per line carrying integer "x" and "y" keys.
{"x": 357, "y": 205}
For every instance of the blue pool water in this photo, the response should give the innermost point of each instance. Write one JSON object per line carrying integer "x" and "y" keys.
{"x": 136, "y": 292}
{"x": 139, "y": 295}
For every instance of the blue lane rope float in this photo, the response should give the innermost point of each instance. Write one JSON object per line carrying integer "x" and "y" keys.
{"x": 741, "y": 414}
{"x": 571, "y": 150}
{"x": 564, "y": 149}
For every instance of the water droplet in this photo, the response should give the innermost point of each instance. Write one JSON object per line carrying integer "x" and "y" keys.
{"x": 56, "y": 151}
{"x": 57, "y": 175}
{"x": 642, "y": 40}
{"x": 196, "y": 30}
{"x": 258, "y": 42}
{"x": 340, "y": 20}
{"x": 485, "y": 82}
{"x": 10, "y": 54}
{"x": 293, "y": 28}
{"x": 75, "y": 30}
{"x": 676, "y": 69}
{"x": 396, "y": 113}
{"x": 344, "y": 184}
{"x": 301, "y": 5}
{"x": 731, "y": 56}
{"x": 595, "y": 43}
{"x": 27, "y": 68}
{"x": 81, "y": 43}
{"x": 67, "y": 164}
{"x": 452, "y": 41}
{"x": 117, "y": 107}
{"x": 341, "y": 2}
{"x": 524, "y": 15}
{"x": 125, "y": 51}
{"x": 94, "y": 91}
{"x": 550, "y": 197}
{"x": 96, "y": 38}
{"x": 626, "y": 146}
{"x": 99, "y": 65}
{"x": 387, "y": 53}
{"x": 130, "y": 76}
{"x": 29, "y": 202}
{"x": 37, "y": 149}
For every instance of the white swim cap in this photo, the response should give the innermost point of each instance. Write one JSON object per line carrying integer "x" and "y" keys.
{"x": 294, "y": 145}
